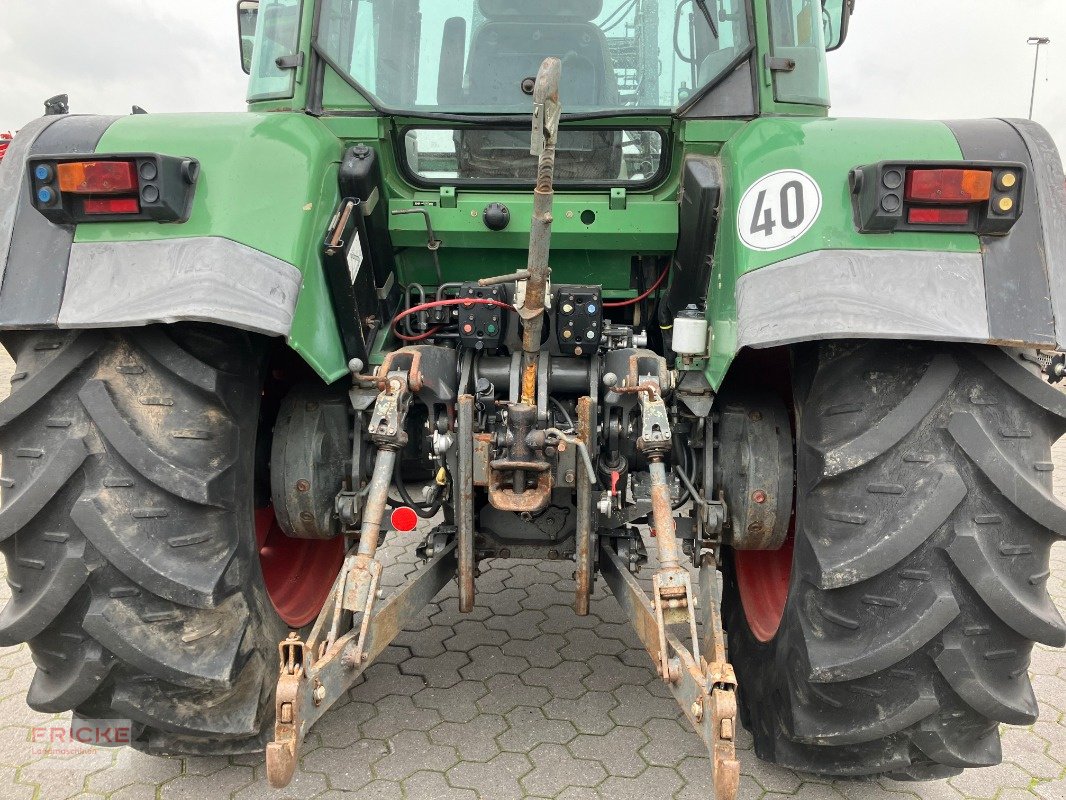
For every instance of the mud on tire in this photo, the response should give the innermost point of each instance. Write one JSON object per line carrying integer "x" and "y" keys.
{"x": 127, "y": 526}
{"x": 925, "y": 518}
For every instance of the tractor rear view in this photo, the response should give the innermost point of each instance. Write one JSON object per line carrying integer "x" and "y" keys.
{"x": 809, "y": 356}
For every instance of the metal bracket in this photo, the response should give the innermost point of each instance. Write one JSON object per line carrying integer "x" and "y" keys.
{"x": 292, "y": 61}
{"x": 673, "y": 602}
{"x": 705, "y": 689}
{"x": 778, "y": 64}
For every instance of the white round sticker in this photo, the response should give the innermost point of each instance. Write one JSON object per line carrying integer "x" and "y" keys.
{"x": 778, "y": 209}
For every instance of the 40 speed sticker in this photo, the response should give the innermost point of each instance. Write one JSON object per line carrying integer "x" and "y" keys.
{"x": 778, "y": 209}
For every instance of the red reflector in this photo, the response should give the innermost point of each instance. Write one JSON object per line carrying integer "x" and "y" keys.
{"x": 938, "y": 216}
{"x": 97, "y": 177}
{"x": 404, "y": 519}
{"x": 112, "y": 205}
{"x": 949, "y": 185}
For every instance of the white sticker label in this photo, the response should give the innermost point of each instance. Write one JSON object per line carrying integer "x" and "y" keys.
{"x": 355, "y": 256}
{"x": 778, "y": 209}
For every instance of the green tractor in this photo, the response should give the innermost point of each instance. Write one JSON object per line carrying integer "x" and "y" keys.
{"x": 810, "y": 356}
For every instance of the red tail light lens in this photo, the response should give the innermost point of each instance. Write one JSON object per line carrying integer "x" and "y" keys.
{"x": 949, "y": 185}
{"x": 112, "y": 205}
{"x": 938, "y": 216}
{"x": 97, "y": 177}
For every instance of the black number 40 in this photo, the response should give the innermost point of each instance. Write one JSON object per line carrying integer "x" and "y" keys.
{"x": 792, "y": 210}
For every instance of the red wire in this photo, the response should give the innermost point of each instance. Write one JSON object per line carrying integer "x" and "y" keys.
{"x": 634, "y": 300}
{"x": 458, "y": 301}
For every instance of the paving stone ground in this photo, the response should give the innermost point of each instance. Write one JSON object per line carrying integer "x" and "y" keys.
{"x": 519, "y": 699}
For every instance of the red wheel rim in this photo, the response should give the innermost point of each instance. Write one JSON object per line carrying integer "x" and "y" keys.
{"x": 763, "y": 577}
{"x": 298, "y": 573}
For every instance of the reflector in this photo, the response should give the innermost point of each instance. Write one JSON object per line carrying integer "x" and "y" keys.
{"x": 97, "y": 177}
{"x": 938, "y": 216}
{"x": 949, "y": 185}
{"x": 404, "y": 519}
{"x": 112, "y": 205}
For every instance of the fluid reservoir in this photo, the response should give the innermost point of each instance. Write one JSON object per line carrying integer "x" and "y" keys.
{"x": 690, "y": 332}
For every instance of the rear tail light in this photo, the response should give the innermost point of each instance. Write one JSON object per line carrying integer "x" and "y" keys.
{"x": 984, "y": 199}
{"x": 144, "y": 186}
{"x": 949, "y": 185}
{"x": 97, "y": 177}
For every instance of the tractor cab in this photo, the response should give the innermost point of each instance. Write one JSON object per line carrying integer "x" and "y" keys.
{"x": 479, "y": 57}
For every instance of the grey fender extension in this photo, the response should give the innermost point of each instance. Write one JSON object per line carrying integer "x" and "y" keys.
{"x": 864, "y": 294}
{"x": 205, "y": 279}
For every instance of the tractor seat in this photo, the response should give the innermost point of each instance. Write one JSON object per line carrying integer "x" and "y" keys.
{"x": 507, "y": 51}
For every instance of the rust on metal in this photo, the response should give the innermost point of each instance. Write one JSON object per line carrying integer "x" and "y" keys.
{"x": 529, "y": 372}
{"x": 546, "y": 115}
{"x": 413, "y": 368}
{"x": 649, "y": 388}
{"x": 632, "y": 599}
{"x": 308, "y": 686}
{"x": 482, "y": 456}
{"x": 705, "y": 690}
{"x": 464, "y": 503}
{"x": 662, "y": 516}
{"x": 583, "y": 543}
{"x": 502, "y": 494}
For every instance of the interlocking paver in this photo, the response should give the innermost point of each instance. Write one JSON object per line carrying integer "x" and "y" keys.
{"x": 519, "y": 700}
{"x": 411, "y": 752}
{"x": 433, "y": 784}
{"x": 555, "y": 768}
{"x": 500, "y": 778}
{"x": 618, "y": 750}
{"x": 349, "y": 768}
{"x": 657, "y": 783}
{"x": 457, "y": 703}
{"x": 528, "y": 727}
{"x": 475, "y": 740}
{"x": 588, "y": 713}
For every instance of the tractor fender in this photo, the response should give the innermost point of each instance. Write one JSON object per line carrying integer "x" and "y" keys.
{"x": 113, "y": 275}
{"x": 1011, "y": 291}
{"x": 49, "y": 279}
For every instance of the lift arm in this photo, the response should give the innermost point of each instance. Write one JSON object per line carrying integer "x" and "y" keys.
{"x": 705, "y": 689}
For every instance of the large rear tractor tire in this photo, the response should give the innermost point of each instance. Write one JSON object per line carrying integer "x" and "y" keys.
{"x": 132, "y": 538}
{"x": 897, "y": 637}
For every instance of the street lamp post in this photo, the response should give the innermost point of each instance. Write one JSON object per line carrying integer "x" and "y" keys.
{"x": 1038, "y": 41}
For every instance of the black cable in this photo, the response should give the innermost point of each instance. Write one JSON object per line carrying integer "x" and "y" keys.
{"x": 677, "y": 30}
{"x": 682, "y": 454}
{"x": 611, "y": 23}
{"x": 423, "y": 510}
{"x": 564, "y": 412}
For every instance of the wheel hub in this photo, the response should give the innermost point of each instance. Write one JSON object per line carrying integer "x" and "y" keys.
{"x": 763, "y": 578}
{"x": 298, "y": 573}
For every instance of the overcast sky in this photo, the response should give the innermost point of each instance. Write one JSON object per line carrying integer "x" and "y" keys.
{"x": 939, "y": 59}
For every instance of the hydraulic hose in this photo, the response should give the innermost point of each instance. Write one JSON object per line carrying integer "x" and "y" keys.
{"x": 423, "y": 510}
